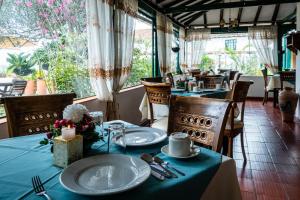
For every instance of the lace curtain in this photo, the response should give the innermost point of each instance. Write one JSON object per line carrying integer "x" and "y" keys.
{"x": 195, "y": 46}
{"x": 110, "y": 47}
{"x": 164, "y": 44}
{"x": 182, "y": 58}
{"x": 264, "y": 39}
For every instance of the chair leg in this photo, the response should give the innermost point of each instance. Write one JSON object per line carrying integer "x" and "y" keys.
{"x": 265, "y": 98}
{"x": 243, "y": 147}
{"x": 230, "y": 147}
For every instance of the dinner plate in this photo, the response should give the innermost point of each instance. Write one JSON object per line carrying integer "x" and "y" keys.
{"x": 141, "y": 136}
{"x": 195, "y": 151}
{"x": 105, "y": 174}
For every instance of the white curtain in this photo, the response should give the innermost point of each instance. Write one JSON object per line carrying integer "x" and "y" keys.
{"x": 196, "y": 41}
{"x": 264, "y": 39}
{"x": 182, "y": 57}
{"x": 110, "y": 47}
{"x": 164, "y": 43}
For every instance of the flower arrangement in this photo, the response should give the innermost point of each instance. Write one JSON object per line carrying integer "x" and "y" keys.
{"x": 77, "y": 116}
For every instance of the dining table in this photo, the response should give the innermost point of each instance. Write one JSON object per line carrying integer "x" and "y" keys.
{"x": 209, "y": 175}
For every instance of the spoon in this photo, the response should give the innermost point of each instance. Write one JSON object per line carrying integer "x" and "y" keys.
{"x": 149, "y": 160}
{"x": 161, "y": 161}
{"x": 152, "y": 160}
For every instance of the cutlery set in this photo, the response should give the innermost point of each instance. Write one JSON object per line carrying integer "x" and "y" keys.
{"x": 159, "y": 168}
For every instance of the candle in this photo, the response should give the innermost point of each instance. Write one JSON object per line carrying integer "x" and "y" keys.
{"x": 68, "y": 133}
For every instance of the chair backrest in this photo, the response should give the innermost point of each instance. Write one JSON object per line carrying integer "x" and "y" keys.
{"x": 211, "y": 81}
{"x": 232, "y": 74}
{"x": 264, "y": 72}
{"x": 237, "y": 76}
{"x": 28, "y": 115}
{"x": 239, "y": 94}
{"x": 158, "y": 93}
{"x": 289, "y": 76}
{"x": 170, "y": 76}
{"x": 18, "y": 88}
{"x": 204, "y": 119}
{"x": 153, "y": 79}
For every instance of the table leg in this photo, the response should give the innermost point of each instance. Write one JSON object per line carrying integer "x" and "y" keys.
{"x": 275, "y": 98}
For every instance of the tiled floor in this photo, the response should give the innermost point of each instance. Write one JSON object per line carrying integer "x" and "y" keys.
{"x": 272, "y": 170}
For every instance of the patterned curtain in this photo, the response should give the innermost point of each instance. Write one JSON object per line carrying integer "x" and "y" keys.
{"x": 110, "y": 47}
{"x": 264, "y": 39}
{"x": 182, "y": 57}
{"x": 164, "y": 43}
{"x": 196, "y": 41}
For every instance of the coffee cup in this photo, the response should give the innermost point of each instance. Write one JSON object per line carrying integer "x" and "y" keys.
{"x": 179, "y": 144}
{"x": 196, "y": 89}
{"x": 218, "y": 86}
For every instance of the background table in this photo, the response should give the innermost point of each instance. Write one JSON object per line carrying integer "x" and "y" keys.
{"x": 22, "y": 157}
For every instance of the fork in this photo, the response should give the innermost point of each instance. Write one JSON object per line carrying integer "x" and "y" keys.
{"x": 39, "y": 187}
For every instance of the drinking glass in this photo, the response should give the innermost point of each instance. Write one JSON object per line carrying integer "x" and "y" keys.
{"x": 117, "y": 130}
{"x": 97, "y": 118}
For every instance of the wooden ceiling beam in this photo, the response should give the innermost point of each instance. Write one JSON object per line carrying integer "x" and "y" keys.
{"x": 205, "y": 20}
{"x": 257, "y": 15}
{"x": 172, "y": 3}
{"x": 239, "y": 4}
{"x": 240, "y": 14}
{"x": 189, "y": 2}
{"x": 275, "y": 13}
{"x": 193, "y": 18}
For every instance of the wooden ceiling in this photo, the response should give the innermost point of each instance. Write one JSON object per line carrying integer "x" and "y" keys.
{"x": 208, "y": 13}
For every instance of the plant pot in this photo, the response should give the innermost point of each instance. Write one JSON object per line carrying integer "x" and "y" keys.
{"x": 30, "y": 88}
{"x": 41, "y": 87}
{"x": 287, "y": 103}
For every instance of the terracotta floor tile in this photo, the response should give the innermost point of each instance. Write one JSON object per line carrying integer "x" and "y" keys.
{"x": 243, "y": 173}
{"x": 246, "y": 185}
{"x": 242, "y": 165}
{"x": 260, "y": 158}
{"x": 269, "y": 189}
{"x": 283, "y": 160}
{"x": 248, "y": 196}
{"x": 289, "y": 169}
{"x": 263, "y": 166}
{"x": 265, "y": 176}
{"x": 291, "y": 179}
{"x": 265, "y": 197}
{"x": 293, "y": 192}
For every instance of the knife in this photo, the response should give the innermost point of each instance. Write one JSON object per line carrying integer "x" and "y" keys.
{"x": 157, "y": 175}
{"x": 160, "y": 171}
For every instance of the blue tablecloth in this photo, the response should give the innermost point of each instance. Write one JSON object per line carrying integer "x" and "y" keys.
{"x": 23, "y": 157}
{"x": 218, "y": 94}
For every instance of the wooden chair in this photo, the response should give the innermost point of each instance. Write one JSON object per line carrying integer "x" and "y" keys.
{"x": 265, "y": 76}
{"x": 28, "y": 115}
{"x": 204, "y": 119}
{"x": 170, "y": 76}
{"x": 289, "y": 76}
{"x": 18, "y": 88}
{"x": 234, "y": 125}
{"x": 157, "y": 93}
{"x": 211, "y": 81}
{"x": 153, "y": 79}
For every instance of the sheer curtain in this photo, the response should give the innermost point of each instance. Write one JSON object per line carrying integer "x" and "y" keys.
{"x": 182, "y": 57}
{"x": 164, "y": 43}
{"x": 110, "y": 47}
{"x": 196, "y": 41}
{"x": 264, "y": 39}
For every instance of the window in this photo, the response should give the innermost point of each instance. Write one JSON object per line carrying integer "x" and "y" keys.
{"x": 236, "y": 54}
{"x": 230, "y": 44}
{"x": 142, "y": 52}
{"x": 45, "y": 42}
{"x": 175, "y": 50}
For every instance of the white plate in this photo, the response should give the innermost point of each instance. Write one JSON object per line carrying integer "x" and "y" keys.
{"x": 141, "y": 136}
{"x": 195, "y": 151}
{"x": 104, "y": 174}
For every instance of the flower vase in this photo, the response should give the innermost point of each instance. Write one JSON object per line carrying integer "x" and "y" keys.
{"x": 287, "y": 103}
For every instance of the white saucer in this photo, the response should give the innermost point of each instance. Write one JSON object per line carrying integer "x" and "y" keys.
{"x": 195, "y": 151}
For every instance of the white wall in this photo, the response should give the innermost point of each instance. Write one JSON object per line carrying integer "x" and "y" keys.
{"x": 257, "y": 89}
{"x": 298, "y": 64}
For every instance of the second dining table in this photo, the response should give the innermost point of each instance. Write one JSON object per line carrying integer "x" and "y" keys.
{"x": 207, "y": 176}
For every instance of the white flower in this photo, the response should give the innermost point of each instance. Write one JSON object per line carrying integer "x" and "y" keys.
{"x": 75, "y": 112}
